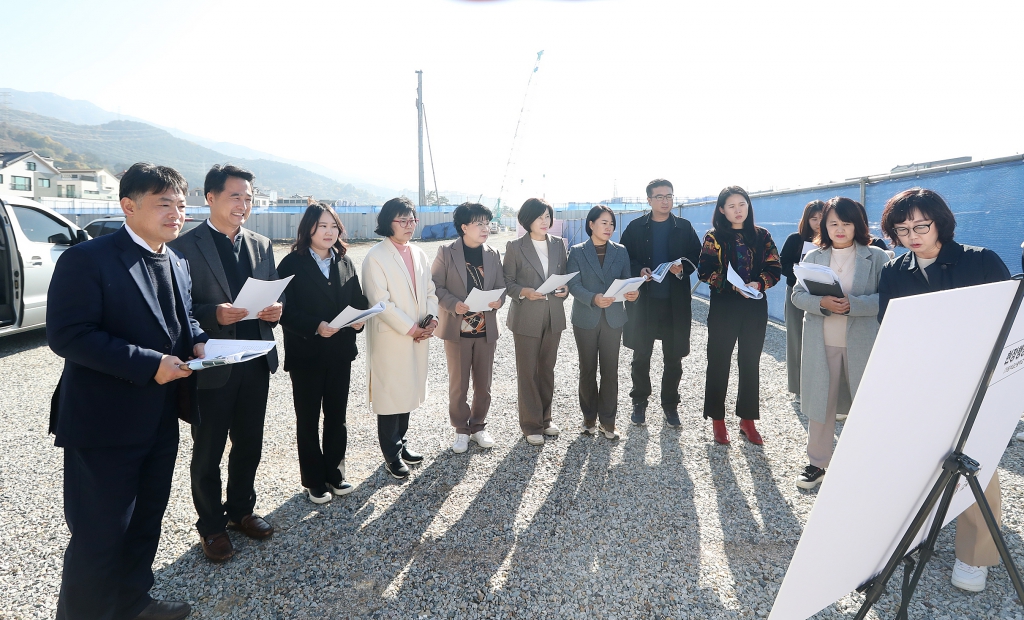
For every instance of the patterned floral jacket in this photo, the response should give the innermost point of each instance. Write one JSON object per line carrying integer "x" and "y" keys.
{"x": 711, "y": 266}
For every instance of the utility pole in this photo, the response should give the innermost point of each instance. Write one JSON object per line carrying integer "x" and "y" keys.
{"x": 419, "y": 127}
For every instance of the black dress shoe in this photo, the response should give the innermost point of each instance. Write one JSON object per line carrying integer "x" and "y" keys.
{"x": 397, "y": 469}
{"x": 165, "y": 610}
{"x": 411, "y": 457}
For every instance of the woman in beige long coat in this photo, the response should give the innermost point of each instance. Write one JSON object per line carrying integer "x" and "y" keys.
{"x": 839, "y": 332}
{"x": 398, "y": 274}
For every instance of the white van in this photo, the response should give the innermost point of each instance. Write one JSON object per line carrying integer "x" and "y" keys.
{"x": 32, "y": 238}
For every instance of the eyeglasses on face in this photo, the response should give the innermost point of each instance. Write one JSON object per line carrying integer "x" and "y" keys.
{"x": 481, "y": 225}
{"x": 406, "y": 223}
{"x": 903, "y": 231}
{"x": 662, "y": 197}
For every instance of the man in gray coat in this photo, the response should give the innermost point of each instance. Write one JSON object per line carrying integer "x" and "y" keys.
{"x": 233, "y": 399}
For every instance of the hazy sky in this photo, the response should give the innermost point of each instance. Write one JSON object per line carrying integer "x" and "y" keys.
{"x": 706, "y": 94}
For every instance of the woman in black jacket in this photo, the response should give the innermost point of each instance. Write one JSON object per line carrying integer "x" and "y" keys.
{"x": 793, "y": 250}
{"x": 318, "y": 357}
{"x": 919, "y": 220}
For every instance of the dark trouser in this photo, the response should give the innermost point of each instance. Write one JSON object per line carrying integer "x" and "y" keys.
{"x": 327, "y": 386}
{"x": 391, "y": 430}
{"x": 114, "y": 501}
{"x": 733, "y": 318}
{"x": 469, "y": 356}
{"x": 599, "y": 345}
{"x": 535, "y": 369}
{"x": 237, "y": 409}
{"x": 662, "y": 328}
{"x": 794, "y": 341}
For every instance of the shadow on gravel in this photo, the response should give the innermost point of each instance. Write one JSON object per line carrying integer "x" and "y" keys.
{"x": 25, "y": 341}
{"x": 778, "y": 332}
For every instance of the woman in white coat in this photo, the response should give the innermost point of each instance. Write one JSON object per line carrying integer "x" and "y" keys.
{"x": 398, "y": 274}
{"x": 839, "y": 332}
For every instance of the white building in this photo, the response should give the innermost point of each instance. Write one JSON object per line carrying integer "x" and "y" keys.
{"x": 28, "y": 174}
{"x": 88, "y": 183}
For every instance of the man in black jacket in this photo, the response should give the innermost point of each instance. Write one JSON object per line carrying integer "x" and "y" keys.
{"x": 222, "y": 256}
{"x": 120, "y": 314}
{"x": 663, "y": 310}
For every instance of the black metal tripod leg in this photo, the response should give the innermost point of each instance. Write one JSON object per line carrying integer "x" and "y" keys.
{"x": 997, "y": 536}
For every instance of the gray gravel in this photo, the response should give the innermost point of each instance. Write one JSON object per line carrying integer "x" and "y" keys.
{"x": 661, "y": 524}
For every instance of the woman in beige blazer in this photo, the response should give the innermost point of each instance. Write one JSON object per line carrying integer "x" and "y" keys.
{"x": 398, "y": 274}
{"x": 536, "y": 320}
{"x": 469, "y": 337}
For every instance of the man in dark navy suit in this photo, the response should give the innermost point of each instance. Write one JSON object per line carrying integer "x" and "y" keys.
{"x": 119, "y": 311}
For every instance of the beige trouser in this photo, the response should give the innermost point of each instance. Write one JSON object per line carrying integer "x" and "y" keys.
{"x": 821, "y": 434}
{"x": 974, "y": 544}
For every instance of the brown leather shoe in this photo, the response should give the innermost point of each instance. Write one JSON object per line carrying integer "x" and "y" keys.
{"x": 253, "y": 526}
{"x": 217, "y": 547}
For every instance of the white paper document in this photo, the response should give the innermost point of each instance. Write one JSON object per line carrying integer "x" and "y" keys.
{"x": 478, "y": 299}
{"x": 747, "y": 291}
{"x": 352, "y": 315}
{"x": 259, "y": 294}
{"x": 619, "y": 288}
{"x": 808, "y": 246}
{"x": 662, "y": 270}
{"x": 554, "y": 282}
{"x": 221, "y": 352}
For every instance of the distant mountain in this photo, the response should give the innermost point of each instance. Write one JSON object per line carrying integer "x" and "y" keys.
{"x": 118, "y": 144}
{"x": 82, "y": 112}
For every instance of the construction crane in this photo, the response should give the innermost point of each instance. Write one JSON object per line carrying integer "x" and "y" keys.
{"x": 515, "y": 136}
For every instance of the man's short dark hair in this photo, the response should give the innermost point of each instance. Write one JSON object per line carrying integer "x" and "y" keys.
{"x": 532, "y": 209}
{"x": 143, "y": 178}
{"x": 595, "y": 212}
{"x": 658, "y": 183}
{"x": 396, "y": 207}
{"x": 926, "y": 202}
{"x": 469, "y": 212}
{"x": 218, "y": 176}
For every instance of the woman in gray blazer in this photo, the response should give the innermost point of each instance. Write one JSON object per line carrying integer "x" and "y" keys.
{"x": 469, "y": 337}
{"x": 839, "y": 332}
{"x": 536, "y": 321}
{"x": 597, "y": 320}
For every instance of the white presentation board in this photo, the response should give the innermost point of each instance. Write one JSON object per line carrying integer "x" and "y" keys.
{"x": 925, "y": 367}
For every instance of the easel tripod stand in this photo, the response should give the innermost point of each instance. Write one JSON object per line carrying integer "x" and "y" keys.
{"x": 957, "y": 464}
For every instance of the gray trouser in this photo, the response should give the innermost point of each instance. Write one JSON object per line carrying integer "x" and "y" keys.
{"x": 599, "y": 345}
{"x": 794, "y": 341}
{"x": 535, "y": 369}
{"x": 820, "y": 435}
{"x": 469, "y": 357}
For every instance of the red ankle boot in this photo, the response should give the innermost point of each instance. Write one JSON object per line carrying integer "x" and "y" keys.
{"x": 748, "y": 430}
{"x": 721, "y": 433}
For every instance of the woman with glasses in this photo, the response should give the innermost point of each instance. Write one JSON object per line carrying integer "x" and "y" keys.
{"x": 318, "y": 357}
{"x": 734, "y": 316}
{"x": 838, "y": 332}
{"x": 597, "y": 320}
{"x": 469, "y": 337}
{"x": 397, "y": 273}
{"x": 919, "y": 220}
{"x": 535, "y": 320}
{"x": 793, "y": 251}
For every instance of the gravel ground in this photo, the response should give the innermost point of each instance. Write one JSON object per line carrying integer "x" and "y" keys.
{"x": 661, "y": 524}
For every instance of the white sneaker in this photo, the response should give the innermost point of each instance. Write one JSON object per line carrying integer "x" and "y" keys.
{"x": 552, "y": 430}
{"x": 461, "y": 443}
{"x": 535, "y": 440}
{"x": 1020, "y": 436}
{"x": 588, "y": 430}
{"x": 609, "y": 433}
{"x": 482, "y": 439}
{"x": 319, "y": 496}
{"x": 970, "y": 578}
{"x": 343, "y": 488}
{"x": 841, "y": 416}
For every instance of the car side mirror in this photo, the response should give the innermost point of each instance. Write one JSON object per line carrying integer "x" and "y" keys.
{"x": 59, "y": 239}
{"x": 81, "y": 236}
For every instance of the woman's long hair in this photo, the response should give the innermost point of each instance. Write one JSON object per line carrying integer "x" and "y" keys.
{"x": 726, "y": 234}
{"x": 310, "y": 220}
{"x": 811, "y": 209}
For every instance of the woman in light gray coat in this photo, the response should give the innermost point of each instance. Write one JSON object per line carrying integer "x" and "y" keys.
{"x": 838, "y": 331}
{"x": 597, "y": 320}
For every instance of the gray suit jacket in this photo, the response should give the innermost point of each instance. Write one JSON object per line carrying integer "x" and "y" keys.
{"x": 210, "y": 288}
{"x": 594, "y": 279}
{"x": 451, "y": 283}
{"x": 523, "y": 270}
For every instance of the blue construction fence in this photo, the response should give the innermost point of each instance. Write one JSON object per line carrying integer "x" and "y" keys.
{"x": 985, "y": 198}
